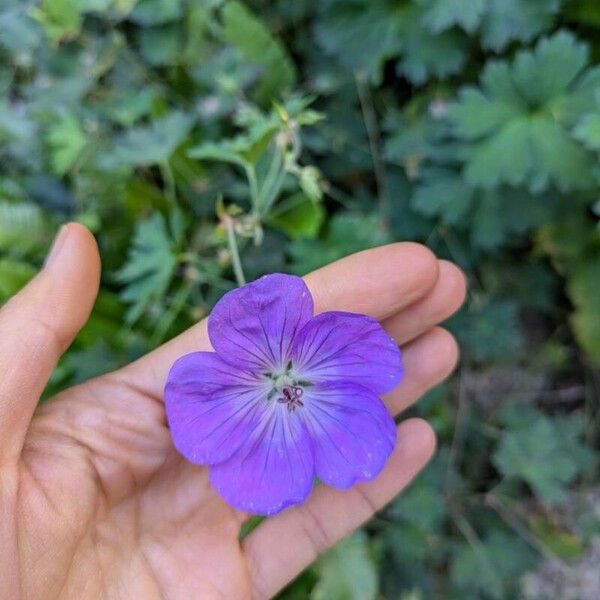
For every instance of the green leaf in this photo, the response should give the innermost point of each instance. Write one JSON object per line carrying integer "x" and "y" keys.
{"x": 588, "y": 131}
{"x": 21, "y": 227}
{"x": 518, "y": 120}
{"x": 502, "y": 215}
{"x": 347, "y": 233}
{"x": 446, "y": 196}
{"x": 303, "y": 218}
{"x": 363, "y": 35}
{"x": 489, "y": 330}
{"x": 154, "y": 143}
{"x": 161, "y": 45}
{"x": 247, "y": 33}
{"x": 14, "y": 275}
{"x": 508, "y": 20}
{"x": 150, "y": 265}
{"x": 156, "y": 12}
{"x": 583, "y": 291}
{"x": 492, "y": 568}
{"x": 347, "y": 572}
{"x": 61, "y": 19}
{"x": 244, "y": 150}
{"x": 67, "y": 140}
{"x": 443, "y": 14}
{"x": 426, "y": 56}
{"x": 547, "y": 454}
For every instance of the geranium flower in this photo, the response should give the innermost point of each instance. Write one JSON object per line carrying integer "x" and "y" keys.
{"x": 286, "y": 397}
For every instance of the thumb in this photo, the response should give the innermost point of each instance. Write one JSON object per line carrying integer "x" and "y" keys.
{"x": 38, "y": 324}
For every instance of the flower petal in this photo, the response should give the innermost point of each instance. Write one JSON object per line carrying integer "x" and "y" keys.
{"x": 211, "y": 407}
{"x": 347, "y": 347}
{"x": 274, "y": 468}
{"x": 254, "y": 325}
{"x": 352, "y": 432}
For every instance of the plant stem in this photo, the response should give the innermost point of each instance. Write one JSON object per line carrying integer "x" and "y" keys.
{"x": 254, "y": 195}
{"x": 169, "y": 317}
{"x": 271, "y": 184}
{"x": 370, "y": 119}
{"x": 234, "y": 251}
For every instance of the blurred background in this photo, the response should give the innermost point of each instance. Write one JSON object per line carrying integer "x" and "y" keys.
{"x": 206, "y": 141}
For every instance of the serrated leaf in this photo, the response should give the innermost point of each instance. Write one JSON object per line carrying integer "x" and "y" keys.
{"x": 520, "y": 129}
{"x": 588, "y": 131}
{"x": 149, "y": 267}
{"x": 21, "y": 226}
{"x": 492, "y": 568}
{"x": 154, "y": 143}
{"x": 425, "y": 55}
{"x": 502, "y": 215}
{"x": 445, "y": 196}
{"x": 247, "y": 33}
{"x": 67, "y": 140}
{"x": 443, "y": 14}
{"x": 508, "y": 20}
{"x": 489, "y": 331}
{"x": 547, "y": 454}
{"x": 364, "y": 35}
{"x": 347, "y": 572}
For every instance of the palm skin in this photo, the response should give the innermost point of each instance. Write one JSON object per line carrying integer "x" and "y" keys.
{"x": 94, "y": 500}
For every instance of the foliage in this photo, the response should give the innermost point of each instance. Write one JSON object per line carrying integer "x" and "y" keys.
{"x": 205, "y": 141}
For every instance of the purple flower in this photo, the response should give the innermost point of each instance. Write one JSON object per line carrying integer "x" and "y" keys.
{"x": 285, "y": 397}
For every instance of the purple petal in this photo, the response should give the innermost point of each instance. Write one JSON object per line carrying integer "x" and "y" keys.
{"x": 352, "y": 432}
{"x": 211, "y": 407}
{"x": 254, "y": 325}
{"x": 274, "y": 468}
{"x": 343, "y": 346}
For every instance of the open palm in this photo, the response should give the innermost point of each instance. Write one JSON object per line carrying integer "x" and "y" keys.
{"x": 94, "y": 500}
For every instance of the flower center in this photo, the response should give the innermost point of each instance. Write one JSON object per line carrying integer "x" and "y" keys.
{"x": 291, "y": 397}
{"x": 287, "y": 388}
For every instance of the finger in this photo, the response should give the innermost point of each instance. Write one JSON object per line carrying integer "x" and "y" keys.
{"x": 377, "y": 282}
{"x": 38, "y": 324}
{"x": 428, "y": 360}
{"x": 444, "y": 299}
{"x": 282, "y": 546}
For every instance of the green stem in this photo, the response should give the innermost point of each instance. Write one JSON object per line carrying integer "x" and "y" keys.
{"x": 235, "y": 254}
{"x": 254, "y": 195}
{"x": 170, "y": 316}
{"x": 271, "y": 185}
{"x": 370, "y": 120}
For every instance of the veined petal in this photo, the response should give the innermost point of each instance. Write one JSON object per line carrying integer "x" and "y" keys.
{"x": 211, "y": 407}
{"x": 352, "y": 432}
{"x": 272, "y": 470}
{"x": 254, "y": 325}
{"x": 341, "y": 346}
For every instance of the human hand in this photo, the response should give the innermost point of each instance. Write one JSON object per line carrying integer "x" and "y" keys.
{"x": 94, "y": 500}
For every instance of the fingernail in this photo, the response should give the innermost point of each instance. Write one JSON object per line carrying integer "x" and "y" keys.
{"x": 57, "y": 246}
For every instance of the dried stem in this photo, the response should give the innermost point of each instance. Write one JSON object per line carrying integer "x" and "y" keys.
{"x": 370, "y": 119}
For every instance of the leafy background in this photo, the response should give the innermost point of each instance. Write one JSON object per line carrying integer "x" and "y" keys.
{"x": 188, "y": 134}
